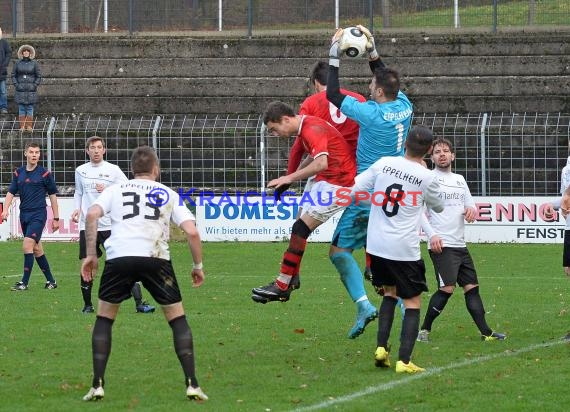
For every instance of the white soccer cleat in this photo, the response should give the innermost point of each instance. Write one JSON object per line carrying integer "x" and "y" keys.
{"x": 95, "y": 394}
{"x": 196, "y": 394}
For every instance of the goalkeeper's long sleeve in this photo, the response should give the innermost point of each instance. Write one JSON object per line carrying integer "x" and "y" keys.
{"x": 333, "y": 87}
{"x": 376, "y": 64}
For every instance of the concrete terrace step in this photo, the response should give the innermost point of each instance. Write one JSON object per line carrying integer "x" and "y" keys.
{"x": 293, "y": 67}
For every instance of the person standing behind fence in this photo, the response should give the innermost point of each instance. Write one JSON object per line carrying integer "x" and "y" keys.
{"x": 33, "y": 182}
{"x": 5, "y": 55}
{"x": 26, "y": 78}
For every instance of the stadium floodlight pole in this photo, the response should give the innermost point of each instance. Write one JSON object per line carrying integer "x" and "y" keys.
{"x": 483, "y": 157}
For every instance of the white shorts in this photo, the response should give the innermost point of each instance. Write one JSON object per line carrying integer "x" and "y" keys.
{"x": 320, "y": 200}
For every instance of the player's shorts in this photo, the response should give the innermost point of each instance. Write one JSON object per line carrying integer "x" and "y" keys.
{"x": 454, "y": 266}
{"x": 409, "y": 277}
{"x": 156, "y": 275}
{"x": 33, "y": 223}
{"x": 351, "y": 230}
{"x": 102, "y": 236}
{"x": 566, "y": 252}
{"x": 322, "y": 202}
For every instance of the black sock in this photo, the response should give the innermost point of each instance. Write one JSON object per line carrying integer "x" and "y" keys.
{"x": 477, "y": 311}
{"x": 101, "y": 346}
{"x": 184, "y": 347}
{"x": 409, "y": 334}
{"x": 436, "y": 304}
{"x": 385, "y": 320}
{"x": 137, "y": 293}
{"x": 86, "y": 292}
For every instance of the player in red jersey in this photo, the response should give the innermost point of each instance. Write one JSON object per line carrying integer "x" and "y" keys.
{"x": 318, "y": 105}
{"x": 332, "y": 165}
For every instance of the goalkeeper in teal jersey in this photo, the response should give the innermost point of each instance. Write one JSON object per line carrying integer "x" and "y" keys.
{"x": 384, "y": 123}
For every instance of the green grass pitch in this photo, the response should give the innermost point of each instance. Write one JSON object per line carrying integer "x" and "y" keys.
{"x": 288, "y": 356}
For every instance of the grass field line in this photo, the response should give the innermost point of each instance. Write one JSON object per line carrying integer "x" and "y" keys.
{"x": 429, "y": 372}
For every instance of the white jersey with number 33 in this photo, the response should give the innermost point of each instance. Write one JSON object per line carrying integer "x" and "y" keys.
{"x": 402, "y": 188}
{"x": 141, "y": 211}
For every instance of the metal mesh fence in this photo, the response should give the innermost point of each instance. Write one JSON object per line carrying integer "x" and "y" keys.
{"x": 502, "y": 154}
{"x": 91, "y": 16}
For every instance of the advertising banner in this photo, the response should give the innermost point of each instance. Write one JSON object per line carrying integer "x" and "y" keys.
{"x": 500, "y": 219}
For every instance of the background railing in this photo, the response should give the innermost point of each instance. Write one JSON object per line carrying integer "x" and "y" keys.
{"x": 91, "y": 16}
{"x": 503, "y": 154}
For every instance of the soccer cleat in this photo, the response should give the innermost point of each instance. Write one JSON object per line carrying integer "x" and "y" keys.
{"x": 363, "y": 318}
{"x": 145, "y": 308}
{"x": 196, "y": 394}
{"x": 409, "y": 367}
{"x": 95, "y": 394}
{"x": 272, "y": 292}
{"x": 50, "y": 285}
{"x": 19, "y": 286}
{"x": 494, "y": 336}
{"x": 423, "y": 336}
{"x": 88, "y": 309}
{"x": 381, "y": 359}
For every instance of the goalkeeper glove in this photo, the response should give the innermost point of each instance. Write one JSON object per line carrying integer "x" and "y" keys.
{"x": 370, "y": 46}
{"x": 277, "y": 193}
{"x": 336, "y": 49}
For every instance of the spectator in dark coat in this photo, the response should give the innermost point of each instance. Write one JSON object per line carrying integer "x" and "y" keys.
{"x": 26, "y": 78}
{"x": 5, "y": 55}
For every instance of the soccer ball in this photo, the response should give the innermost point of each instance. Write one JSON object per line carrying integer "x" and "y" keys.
{"x": 353, "y": 41}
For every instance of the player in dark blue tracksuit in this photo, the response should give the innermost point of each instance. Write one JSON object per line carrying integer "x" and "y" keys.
{"x": 33, "y": 182}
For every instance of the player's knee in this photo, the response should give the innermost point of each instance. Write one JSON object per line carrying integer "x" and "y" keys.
{"x": 340, "y": 258}
{"x": 301, "y": 229}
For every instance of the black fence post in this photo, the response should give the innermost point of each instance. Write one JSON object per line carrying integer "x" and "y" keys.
{"x": 371, "y": 16}
{"x": 14, "y": 18}
{"x": 249, "y": 18}
{"x": 131, "y": 17}
{"x": 495, "y": 18}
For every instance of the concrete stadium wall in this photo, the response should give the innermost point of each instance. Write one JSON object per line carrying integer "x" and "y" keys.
{"x": 506, "y": 72}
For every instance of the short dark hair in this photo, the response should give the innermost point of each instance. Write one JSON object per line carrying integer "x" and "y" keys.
{"x": 275, "y": 111}
{"x": 144, "y": 158}
{"x": 320, "y": 73}
{"x": 444, "y": 142}
{"x": 388, "y": 80}
{"x": 419, "y": 141}
{"x": 32, "y": 144}
{"x": 94, "y": 139}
